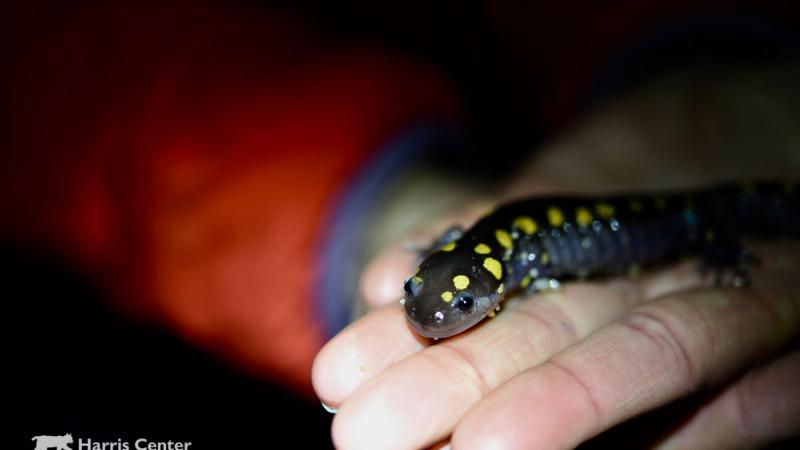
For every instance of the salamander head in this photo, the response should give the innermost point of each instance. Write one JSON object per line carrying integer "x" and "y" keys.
{"x": 450, "y": 293}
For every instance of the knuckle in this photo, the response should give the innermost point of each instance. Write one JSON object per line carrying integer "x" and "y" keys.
{"x": 468, "y": 365}
{"x": 655, "y": 326}
{"x": 552, "y": 319}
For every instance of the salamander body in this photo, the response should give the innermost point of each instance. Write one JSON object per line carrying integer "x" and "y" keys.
{"x": 534, "y": 244}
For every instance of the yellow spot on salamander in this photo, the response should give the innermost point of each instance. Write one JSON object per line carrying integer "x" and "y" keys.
{"x": 604, "y": 210}
{"x": 503, "y": 238}
{"x": 583, "y": 217}
{"x": 526, "y": 281}
{"x": 660, "y": 201}
{"x": 635, "y": 205}
{"x": 545, "y": 257}
{"x": 555, "y": 216}
{"x": 460, "y": 282}
{"x": 483, "y": 249}
{"x": 525, "y": 224}
{"x": 447, "y": 296}
{"x": 493, "y": 266}
{"x": 491, "y": 313}
{"x": 416, "y": 280}
{"x": 448, "y": 247}
{"x": 501, "y": 288}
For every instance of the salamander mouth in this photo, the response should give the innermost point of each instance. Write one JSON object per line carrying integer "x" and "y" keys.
{"x": 424, "y": 325}
{"x": 439, "y": 331}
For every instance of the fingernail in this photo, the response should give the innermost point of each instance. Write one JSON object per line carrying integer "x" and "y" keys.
{"x": 330, "y": 409}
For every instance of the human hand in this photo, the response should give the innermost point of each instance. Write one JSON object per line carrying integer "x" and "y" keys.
{"x": 554, "y": 370}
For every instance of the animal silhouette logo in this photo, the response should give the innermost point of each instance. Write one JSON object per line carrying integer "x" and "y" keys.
{"x": 57, "y": 442}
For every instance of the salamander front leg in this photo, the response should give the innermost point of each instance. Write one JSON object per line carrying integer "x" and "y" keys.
{"x": 449, "y": 237}
{"x": 541, "y": 284}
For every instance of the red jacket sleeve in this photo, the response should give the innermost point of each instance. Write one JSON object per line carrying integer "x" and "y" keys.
{"x": 183, "y": 155}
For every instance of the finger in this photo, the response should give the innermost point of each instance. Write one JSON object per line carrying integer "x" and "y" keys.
{"x": 382, "y": 280}
{"x": 352, "y": 357}
{"x": 655, "y": 354}
{"x": 761, "y": 408}
{"x": 419, "y": 400}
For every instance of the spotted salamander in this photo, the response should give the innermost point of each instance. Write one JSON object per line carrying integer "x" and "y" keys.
{"x": 533, "y": 244}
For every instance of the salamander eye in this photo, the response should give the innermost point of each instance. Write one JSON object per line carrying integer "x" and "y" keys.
{"x": 412, "y": 286}
{"x": 464, "y": 302}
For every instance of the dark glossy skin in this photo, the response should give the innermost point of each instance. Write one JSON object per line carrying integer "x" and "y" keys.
{"x": 533, "y": 244}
